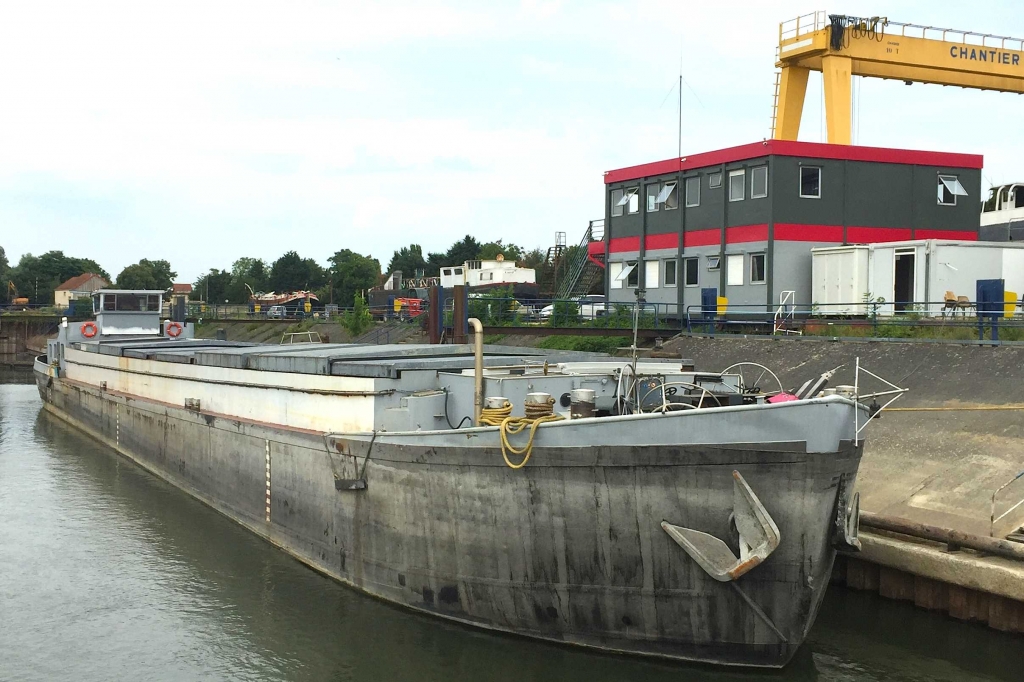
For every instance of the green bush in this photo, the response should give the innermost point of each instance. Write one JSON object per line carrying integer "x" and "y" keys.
{"x": 588, "y": 344}
{"x": 564, "y": 314}
{"x": 358, "y": 319}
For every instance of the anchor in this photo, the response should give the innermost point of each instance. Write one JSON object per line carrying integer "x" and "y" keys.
{"x": 759, "y": 536}
{"x": 846, "y": 520}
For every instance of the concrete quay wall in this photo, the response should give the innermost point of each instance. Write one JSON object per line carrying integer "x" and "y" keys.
{"x": 937, "y": 458}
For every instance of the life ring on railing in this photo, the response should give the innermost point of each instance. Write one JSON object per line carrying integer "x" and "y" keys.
{"x": 174, "y": 330}
{"x": 89, "y": 329}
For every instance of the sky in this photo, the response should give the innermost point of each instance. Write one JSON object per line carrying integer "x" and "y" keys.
{"x": 203, "y": 132}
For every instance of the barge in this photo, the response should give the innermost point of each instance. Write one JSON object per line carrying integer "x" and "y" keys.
{"x": 632, "y": 506}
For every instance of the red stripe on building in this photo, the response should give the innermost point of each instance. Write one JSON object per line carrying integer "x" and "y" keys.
{"x": 871, "y": 235}
{"x": 946, "y": 234}
{"x": 746, "y": 233}
{"x": 620, "y": 244}
{"x": 702, "y": 238}
{"x": 807, "y": 150}
{"x": 595, "y": 249}
{"x": 792, "y": 232}
{"x": 667, "y": 240}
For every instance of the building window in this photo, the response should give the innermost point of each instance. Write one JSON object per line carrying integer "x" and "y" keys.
{"x": 663, "y": 194}
{"x": 737, "y": 185}
{"x": 949, "y": 189}
{"x": 713, "y": 263}
{"x": 734, "y": 270}
{"x": 810, "y": 182}
{"x": 692, "y": 192}
{"x": 670, "y": 273}
{"x": 690, "y": 271}
{"x": 651, "y": 274}
{"x": 617, "y": 202}
{"x": 632, "y": 274}
{"x": 757, "y": 268}
{"x": 669, "y": 196}
{"x": 759, "y": 182}
{"x": 614, "y": 272}
{"x": 629, "y": 197}
{"x": 715, "y": 180}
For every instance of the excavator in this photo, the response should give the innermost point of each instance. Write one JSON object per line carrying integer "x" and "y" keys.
{"x": 12, "y": 296}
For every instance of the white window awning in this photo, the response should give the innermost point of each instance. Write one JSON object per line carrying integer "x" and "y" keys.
{"x": 953, "y": 185}
{"x": 664, "y": 193}
{"x": 622, "y": 276}
{"x": 626, "y": 197}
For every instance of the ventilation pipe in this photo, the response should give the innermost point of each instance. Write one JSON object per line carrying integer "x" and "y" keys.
{"x": 478, "y": 368}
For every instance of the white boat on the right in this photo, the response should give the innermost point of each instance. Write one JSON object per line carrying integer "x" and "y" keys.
{"x": 1002, "y": 214}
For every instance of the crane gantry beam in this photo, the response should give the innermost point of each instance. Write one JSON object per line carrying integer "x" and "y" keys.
{"x": 842, "y": 47}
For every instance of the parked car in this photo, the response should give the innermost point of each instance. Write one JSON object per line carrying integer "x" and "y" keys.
{"x": 276, "y": 312}
{"x": 588, "y": 307}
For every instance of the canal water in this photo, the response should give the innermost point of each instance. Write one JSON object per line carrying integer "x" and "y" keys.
{"x": 107, "y": 573}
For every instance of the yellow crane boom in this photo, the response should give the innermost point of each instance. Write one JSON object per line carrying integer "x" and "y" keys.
{"x": 841, "y": 47}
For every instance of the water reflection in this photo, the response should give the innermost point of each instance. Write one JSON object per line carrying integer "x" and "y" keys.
{"x": 108, "y": 573}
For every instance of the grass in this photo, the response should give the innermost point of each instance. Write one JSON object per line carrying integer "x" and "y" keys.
{"x": 895, "y": 330}
{"x": 590, "y": 344}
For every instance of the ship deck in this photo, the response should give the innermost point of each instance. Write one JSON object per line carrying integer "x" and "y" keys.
{"x": 331, "y": 359}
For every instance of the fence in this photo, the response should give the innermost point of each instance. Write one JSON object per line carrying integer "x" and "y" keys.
{"x": 869, "y": 319}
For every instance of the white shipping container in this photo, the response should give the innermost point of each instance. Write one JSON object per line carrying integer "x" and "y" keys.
{"x": 913, "y": 273}
{"x": 839, "y": 277}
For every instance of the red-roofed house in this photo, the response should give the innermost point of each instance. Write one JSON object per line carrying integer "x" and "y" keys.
{"x": 78, "y": 287}
{"x": 180, "y": 291}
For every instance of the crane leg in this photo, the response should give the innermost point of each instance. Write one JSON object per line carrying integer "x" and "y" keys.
{"x": 792, "y": 88}
{"x": 835, "y": 71}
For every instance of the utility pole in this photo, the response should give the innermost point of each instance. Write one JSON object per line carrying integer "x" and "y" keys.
{"x": 680, "y": 152}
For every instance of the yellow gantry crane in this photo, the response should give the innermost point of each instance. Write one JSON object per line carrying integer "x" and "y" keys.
{"x": 841, "y": 47}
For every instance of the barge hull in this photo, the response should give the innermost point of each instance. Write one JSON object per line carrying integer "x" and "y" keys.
{"x": 557, "y": 551}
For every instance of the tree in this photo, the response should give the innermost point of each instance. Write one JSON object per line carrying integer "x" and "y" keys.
{"x": 538, "y": 260}
{"x": 212, "y": 287}
{"x": 290, "y": 272}
{"x": 5, "y": 268}
{"x": 247, "y": 274}
{"x": 351, "y": 274}
{"x": 359, "y": 319}
{"x": 147, "y": 274}
{"x": 509, "y": 252}
{"x": 463, "y": 250}
{"x": 435, "y": 261}
{"x": 37, "y": 276}
{"x": 408, "y": 259}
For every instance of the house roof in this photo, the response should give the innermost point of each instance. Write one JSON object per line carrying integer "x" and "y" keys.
{"x": 811, "y": 150}
{"x": 181, "y": 288}
{"x": 76, "y": 283}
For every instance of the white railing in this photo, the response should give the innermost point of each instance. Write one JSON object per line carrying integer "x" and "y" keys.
{"x": 802, "y": 25}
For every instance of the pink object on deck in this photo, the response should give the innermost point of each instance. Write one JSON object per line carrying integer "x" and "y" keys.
{"x": 782, "y": 398}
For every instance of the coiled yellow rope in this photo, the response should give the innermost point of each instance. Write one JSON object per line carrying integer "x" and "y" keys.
{"x": 511, "y": 426}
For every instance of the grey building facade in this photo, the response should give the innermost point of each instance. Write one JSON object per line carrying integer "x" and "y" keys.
{"x": 743, "y": 220}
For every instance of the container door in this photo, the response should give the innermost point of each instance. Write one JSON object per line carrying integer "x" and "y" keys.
{"x": 904, "y": 279}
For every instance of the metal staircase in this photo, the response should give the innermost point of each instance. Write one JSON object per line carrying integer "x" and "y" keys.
{"x": 581, "y": 272}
